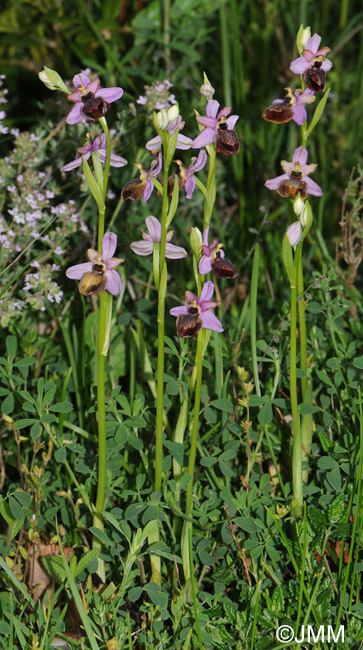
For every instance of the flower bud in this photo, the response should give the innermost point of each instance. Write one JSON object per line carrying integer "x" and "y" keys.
{"x": 298, "y": 205}
{"x": 306, "y": 216}
{"x": 161, "y": 120}
{"x": 196, "y": 242}
{"x": 52, "y": 80}
{"x": 173, "y": 113}
{"x": 302, "y": 38}
{"x": 207, "y": 89}
{"x": 294, "y": 233}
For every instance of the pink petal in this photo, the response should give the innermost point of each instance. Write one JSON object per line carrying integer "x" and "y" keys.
{"x": 307, "y": 97}
{"x": 300, "y": 155}
{"x": 154, "y": 227}
{"x": 299, "y": 65}
{"x": 190, "y": 186}
{"x": 189, "y": 296}
{"x": 205, "y": 265}
{"x": 205, "y": 305}
{"x": 231, "y": 121}
{"x": 80, "y": 79}
{"x": 75, "y": 115}
{"x": 300, "y": 115}
{"x": 92, "y": 254}
{"x": 75, "y": 96}
{"x": 117, "y": 161}
{"x": 183, "y": 142}
{"x": 175, "y": 252}
{"x": 178, "y": 311}
{"x": 198, "y": 165}
{"x": 77, "y": 272}
{"x": 114, "y": 284}
{"x": 72, "y": 165}
{"x": 109, "y": 244}
{"x": 323, "y": 51}
{"x": 209, "y": 122}
{"x": 142, "y": 247}
{"x": 147, "y": 191}
{"x": 211, "y": 322}
{"x": 224, "y": 112}
{"x": 294, "y": 233}
{"x": 207, "y": 291}
{"x": 313, "y": 188}
{"x": 212, "y": 107}
{"x": 93, "y": 86}
{"x": 154, "y": 143}
{"x": 113, "y": 263}
{"x": 204, "y": 138}
{"x": 313, "y": 43}
{"x": 110, "y": 94}
{"x": 308, "y": 55}
{"x": 326, "y": 65}
{"x": 273, "y": 183}
{"x": 205, "y": 236}
{"x": 308, "y": 169}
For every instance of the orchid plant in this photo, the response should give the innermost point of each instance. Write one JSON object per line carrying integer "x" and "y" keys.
{"x": 99, "y": 275}
{"x": 296, "y": 185}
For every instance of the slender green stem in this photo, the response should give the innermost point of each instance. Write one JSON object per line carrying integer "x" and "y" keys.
{"x": 297, "y": 448}
{"x": 166, "y": 34}
{"x": 191, "y": 465}
{"x": 211, "y": 188}
{"x": 254, "y": 287}
{"x": 154, "y": 534}
{"x": 194, "y": 591}
{"x": 307, "y": 423}
{"x": 101, "y": 412}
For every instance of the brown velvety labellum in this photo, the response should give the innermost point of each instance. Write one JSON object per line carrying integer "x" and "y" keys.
{"x": 315, "y": 79}
{"x": 290, "y": 187}
{"x": 171, "y": 183}
{"x": 226, "y": 141}
{"x": 92, "y": 284}
{"x": 188, "y": 325}
{"x": 278, "y": 113}
{"x": 223, "y": 268}
{"x": 133, "y": 189}
{"x": 94, "y": 107}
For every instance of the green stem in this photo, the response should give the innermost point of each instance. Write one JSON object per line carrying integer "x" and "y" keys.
{"x": 297, "y": 503}
{"x": 185, "y": 552}
{"x": 154, "y": 535}
{"x": 254, "y": 287}
{"x": 211, "y": 187}
{"x": 307, "y": 423}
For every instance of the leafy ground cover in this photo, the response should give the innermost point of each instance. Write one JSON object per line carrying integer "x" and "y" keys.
{"x": 161, "y": 491}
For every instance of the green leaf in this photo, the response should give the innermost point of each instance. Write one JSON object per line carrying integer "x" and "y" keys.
{"x": 60, "y": 454}
{"x": 317, "y": 114}
{"x": 265, "y": 414}
{"x": 15, "y": 508}
{"x": 157, "y": 596}
{"x": 134, "y": 594}
{"x": 173, "y": 202}
{"x": 288, "y": 260}
{"x": 8, "y": 404}
{"x": 24, "y": 363}
{"x": 54, "y": 566}
{"x": 177, "y": 450}
{"x": 93, "y": 186}
{"x": 61, "y": 407}
{"x": 246, "y": 523}
{"x": 21, "y": 424}
{"x": 85, "y": 561}
{"x": 222, "y": 404}
{"x": 314, "y": 307}
{"x": 11, "y": 345}
{"x": 327, "y": 462}
{"x": 336, "y": 509}
{"x": 358, "y": 363}
{"x": 307, "y": 409}
{"x": 23, "y": 498}
{"x": 96, "y": 532}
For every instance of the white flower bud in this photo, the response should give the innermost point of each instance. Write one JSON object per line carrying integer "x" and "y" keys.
{"x": 196, "y": 242}
{"x": 302, "y": 38}
{"x": 161, "y": 119}
{"x": 207, "y": 89}
{"x": 306, "y": 217}
{"x": 294, "y": 233}
{"x": 52, "y": 80}
{"x": 173, "y": 113}
{"x": 298, "y": 205}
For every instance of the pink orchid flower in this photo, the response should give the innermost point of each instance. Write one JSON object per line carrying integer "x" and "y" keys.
{"x": 91, "y": 89}
{"x": 152, "y": 237}
{"x": 296, "y": 178}
{"x": 98, "y": 144}
{"x": 99, "y": 274}
{"x": 310, "y": 55}
{"x": 212, "y": 123}
{"x": 196, "y": 314}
